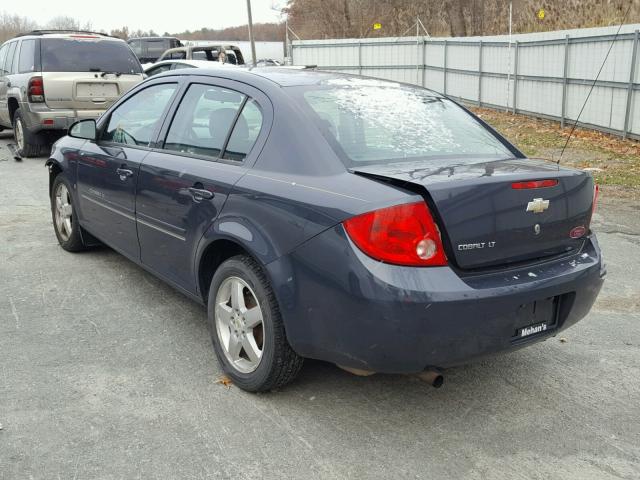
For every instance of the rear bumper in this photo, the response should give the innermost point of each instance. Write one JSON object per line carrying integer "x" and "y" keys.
{"x": 35, "y": 115}
{"x": 341, "y": 306}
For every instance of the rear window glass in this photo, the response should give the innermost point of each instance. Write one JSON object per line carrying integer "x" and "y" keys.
{"x": 368, "y": 121}
{"x": 75, "y": 55}
{"x": 155, "y": 48}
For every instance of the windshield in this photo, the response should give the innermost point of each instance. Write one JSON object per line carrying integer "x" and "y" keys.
{"x": 75, "y": 55}
{"x": 369, "y": 121}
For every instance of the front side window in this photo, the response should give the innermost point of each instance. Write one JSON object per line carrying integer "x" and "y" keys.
{"x": 27, "y": 62}
{"x": 136, "y": 120}
{"x": 370, "y": 121}
{"x": 203, "y": 120}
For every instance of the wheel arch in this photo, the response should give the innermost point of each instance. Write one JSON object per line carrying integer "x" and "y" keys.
{"x": 55, "y": 169}
{"x": 212, "y": 255}
{"x": 13, "y": 105}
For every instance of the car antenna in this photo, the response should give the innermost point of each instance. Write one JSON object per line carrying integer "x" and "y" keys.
{"x": 613, "y": 42}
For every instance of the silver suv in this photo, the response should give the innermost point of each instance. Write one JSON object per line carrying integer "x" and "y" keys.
{"x": 50, "y": 79}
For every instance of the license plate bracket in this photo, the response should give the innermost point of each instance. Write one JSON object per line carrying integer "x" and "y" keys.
{"x": 536, "y": 317}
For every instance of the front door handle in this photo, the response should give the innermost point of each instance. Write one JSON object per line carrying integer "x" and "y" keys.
{"x": 124, "y": 173}
{"x": 200, "y": 194}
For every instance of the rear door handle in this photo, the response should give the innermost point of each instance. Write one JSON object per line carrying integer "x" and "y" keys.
{"x": 124, "y": 173}
{"x": 200, "y": 194}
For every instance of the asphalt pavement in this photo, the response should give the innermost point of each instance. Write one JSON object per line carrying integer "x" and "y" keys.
{"x": 106, "y": 372}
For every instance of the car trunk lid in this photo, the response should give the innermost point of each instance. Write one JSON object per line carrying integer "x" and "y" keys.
{"x": 485, "y": 220}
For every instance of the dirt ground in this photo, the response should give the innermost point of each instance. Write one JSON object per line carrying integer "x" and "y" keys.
{"x": 614, "y": 161}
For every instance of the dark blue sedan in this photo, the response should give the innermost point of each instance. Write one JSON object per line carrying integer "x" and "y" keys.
{"x": 371, "y": 224}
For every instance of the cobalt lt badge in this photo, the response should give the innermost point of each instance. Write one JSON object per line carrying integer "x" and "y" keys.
{"x": 537, "y": 205}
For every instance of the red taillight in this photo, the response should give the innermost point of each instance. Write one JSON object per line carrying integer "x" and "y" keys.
{"x": 596, "y": 194}
{"x": 401, "y": 235}
{"x": 36, "y": 89}
{"x": 534, "y": 184}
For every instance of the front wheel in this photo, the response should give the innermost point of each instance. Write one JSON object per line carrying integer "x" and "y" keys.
{"x": 246, "y": 328}
{"x": 65, "y": 220}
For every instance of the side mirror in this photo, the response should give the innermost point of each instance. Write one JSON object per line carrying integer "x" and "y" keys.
{"x": 84, "y": 129}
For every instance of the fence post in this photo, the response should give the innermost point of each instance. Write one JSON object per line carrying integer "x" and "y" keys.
{"x": 424, "y": 60}
{"x": 445, "y": 67}
{"x": 564, "y": 80}
{"x": 634, "y": 56}
{"x": 515, "y": 79}
{"x": 480, "y": 74}
{"x": 359, "y": 56}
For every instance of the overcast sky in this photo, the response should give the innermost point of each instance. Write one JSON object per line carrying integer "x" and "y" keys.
{"x": 161, "y": 16}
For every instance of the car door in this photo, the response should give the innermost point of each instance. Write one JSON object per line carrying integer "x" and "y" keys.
{"x": 108, "y": 168}
{"x": 183, "y": 187}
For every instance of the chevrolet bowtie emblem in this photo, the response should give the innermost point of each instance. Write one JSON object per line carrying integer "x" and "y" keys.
{"x": 537, "y": 205}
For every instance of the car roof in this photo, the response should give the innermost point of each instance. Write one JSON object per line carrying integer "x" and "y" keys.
{"x": 152, "y": 38}
{"x": 67, "y": 34}
{"x": 195, "y": 63}
{"x": 285, "y": 76}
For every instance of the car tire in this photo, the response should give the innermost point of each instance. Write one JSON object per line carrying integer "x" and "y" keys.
{"x": 65, "y": 224}
{"x": 231, "y": 326}
{"x": 27, "y": 143}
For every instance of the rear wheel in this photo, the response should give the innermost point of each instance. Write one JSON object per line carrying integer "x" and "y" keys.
{"x": 28, "y": 144}
{"x": 246, "y": 328}
{"x": 65, "y": 221}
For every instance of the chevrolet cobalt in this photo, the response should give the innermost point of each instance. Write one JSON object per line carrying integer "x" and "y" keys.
{"x": 376, "y": 225}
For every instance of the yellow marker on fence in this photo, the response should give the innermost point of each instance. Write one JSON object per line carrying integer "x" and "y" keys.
{"x": 377, "y": 26}
{"x": 541, "y": 14}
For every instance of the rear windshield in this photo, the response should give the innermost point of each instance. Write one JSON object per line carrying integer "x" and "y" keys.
{"x": 368, "y": 121}
{"x": 155, "y": 48}
{"x": 84, "y": 55}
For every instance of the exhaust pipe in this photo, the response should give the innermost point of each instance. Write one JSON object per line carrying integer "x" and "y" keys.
{"x": 432, "y": 377}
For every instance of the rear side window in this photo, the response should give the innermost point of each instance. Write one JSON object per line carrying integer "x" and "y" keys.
{"x": 245, "y": 132}
{"x": 27, "y": 61}
{"x": 203, "y": 120}
{"x": 136, "y": 120}
{"x": 87, "y": 55}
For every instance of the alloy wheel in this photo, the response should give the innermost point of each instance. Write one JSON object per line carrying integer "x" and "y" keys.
{"x": 239, "y": 324}
{"x": 19, "y": 134}
{"x": 63, "y": 212}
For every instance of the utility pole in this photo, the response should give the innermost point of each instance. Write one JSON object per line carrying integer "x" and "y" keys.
{"x": 253, "y": 43}
{"x": 509, "y": 57}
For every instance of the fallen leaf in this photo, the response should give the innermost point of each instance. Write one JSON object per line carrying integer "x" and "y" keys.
{"x": 563, "y": 340}
{"x": 226, "y": 381}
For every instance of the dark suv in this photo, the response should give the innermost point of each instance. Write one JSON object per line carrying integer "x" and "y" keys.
{"x": 49, "y": 79}
{"x": 149, "y": 49}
